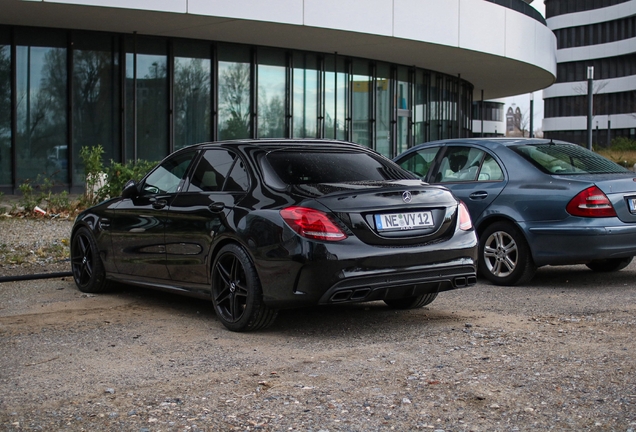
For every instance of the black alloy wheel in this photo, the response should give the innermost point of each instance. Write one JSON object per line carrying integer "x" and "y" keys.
{"x": 504, "y": 255}
{"x": 236, "y": 292}
{"x": 86, "y": 264}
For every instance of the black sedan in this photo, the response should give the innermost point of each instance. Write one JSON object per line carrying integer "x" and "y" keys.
{"x": 535, "y": 202}
{"x": 257, "y": 226}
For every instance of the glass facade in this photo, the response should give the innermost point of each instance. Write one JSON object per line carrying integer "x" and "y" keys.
{"x": 192, "y": 94}
{"x": 41, "y": 143}
{"x": 6, "y": 171}
{"x": 96, "y": 96}
{"x": 141, "y": 97}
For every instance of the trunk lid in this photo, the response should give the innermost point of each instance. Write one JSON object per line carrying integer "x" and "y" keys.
{"x": 389, "y": 213}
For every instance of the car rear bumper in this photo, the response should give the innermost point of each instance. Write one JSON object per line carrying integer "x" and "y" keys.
{"x": 560, "y": 244}
{"x": 329, "y": 273}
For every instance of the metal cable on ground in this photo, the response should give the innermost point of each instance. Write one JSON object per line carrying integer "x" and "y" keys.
{"x": 34, "y": 276}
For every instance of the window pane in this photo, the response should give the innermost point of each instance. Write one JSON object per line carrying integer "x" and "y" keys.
{"x": 5, "y": 114}
{"x": 383, "y": 110}
{"x": 361, "y": 87}
{"x": 212, "y": 171}
{"x": 95, "y": 98}
{"x": 271, "y": 94}
{"x": 151, "y": 117}
{"x": 167, "y": 177}
{"x": 420, "y": 116}
{"x": 234, "y": 92}
{"x": 305, "y": 96}
{"x": 192, "y": 96}
{"x": 41, "y": 94}
{"x": 336, "y": 85}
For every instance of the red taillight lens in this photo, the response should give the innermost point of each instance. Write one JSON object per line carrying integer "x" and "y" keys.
{"x": 465, "y": 223}
{"x": 312, "y": 224}
{"x": 591, "y": 202}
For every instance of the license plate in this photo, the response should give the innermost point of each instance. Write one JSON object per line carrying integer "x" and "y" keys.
{"x": 403, "y": 221}
{"x": 632, "y": 204}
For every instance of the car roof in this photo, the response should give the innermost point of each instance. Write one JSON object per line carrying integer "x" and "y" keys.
{"x": 283, "y": 142}
{"x": 491, "y": 142}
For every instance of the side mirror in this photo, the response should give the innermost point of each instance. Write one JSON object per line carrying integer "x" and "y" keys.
{"x": 130, "y": 189}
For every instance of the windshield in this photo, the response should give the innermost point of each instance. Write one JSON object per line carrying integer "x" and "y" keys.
{"x": 313, "y": 167}
{"x": 565, "y": 158}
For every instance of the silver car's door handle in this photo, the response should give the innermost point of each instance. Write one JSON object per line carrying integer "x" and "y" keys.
{"x": 479, "y": 195}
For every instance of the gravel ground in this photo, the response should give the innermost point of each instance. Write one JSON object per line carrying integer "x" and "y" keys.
{"x": 30, "y": 245}
{"x": 557, "y": 354}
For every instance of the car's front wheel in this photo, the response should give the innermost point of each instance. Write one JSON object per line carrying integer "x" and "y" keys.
{"x": 86, "y": 264}
{"x": 411, "y": 302}
{"x": 609, "y": 265}
{"x": 504, "y": 255}
{"x": 236, "y": 291}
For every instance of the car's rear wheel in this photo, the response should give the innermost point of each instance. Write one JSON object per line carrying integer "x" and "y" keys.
{"x": 609, "y": 265}
{"x": 236, "y": 291}
{"x": 86, "y": 264}
{"x": 411, "y": 302}
{"x": 504, "y": 255}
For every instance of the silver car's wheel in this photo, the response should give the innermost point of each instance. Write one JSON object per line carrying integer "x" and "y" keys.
{"x": 504, "y": 255}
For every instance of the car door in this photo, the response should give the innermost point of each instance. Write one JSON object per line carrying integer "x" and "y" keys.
{"x": 474, "y": 175}
{"x": 137, "y": 224}
{"x": 201, "y": 213}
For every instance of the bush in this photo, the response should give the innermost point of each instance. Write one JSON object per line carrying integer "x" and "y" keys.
{"x": 93, "y": 173}
{"x": 108, "y": 182}
{"x": 118, "y": 174}
{"x": 623, "y": 144}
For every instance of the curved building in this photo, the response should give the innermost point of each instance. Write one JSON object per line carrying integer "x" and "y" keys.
{"x": 599, "y": 34}
{"x": 142, "y": 78}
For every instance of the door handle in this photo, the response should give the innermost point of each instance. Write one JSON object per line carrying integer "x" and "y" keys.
{"x": 159, "y": 204}
{"x": 478, "y": 195}
{"x": 216, "y": 207}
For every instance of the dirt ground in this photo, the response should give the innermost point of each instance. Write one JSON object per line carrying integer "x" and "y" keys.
{"x": 557, "y": 354}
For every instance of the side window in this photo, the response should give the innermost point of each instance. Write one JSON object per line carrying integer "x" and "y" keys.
{"x": 238, "y": 180}
{"x": 212, "y": 171}
{"x": 460, "y": 164}
{"x": 167, "y": 176}
{"x": 490, "y": 170}
{"x": 420, "y": 162}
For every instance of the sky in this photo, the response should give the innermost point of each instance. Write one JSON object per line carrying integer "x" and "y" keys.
{"x": 523, "y": 101}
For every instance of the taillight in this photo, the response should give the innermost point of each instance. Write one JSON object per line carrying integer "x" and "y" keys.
{"x": 465, "y": 223}
{"x": 591, "y": 202}
{"x": 312, "y": 223}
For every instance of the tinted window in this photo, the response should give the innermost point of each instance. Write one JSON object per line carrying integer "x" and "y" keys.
{"x": 167, "y": 176}
{"x": 563, "y": 158}
{"x": 212, "y": 172}
{"x": 306, "y": 167}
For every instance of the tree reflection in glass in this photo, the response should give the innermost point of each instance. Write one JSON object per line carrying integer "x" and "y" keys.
{"x": 41, "y": 103}
{"x": 234, "y": 100}
{"x": 5, "y": 115}
{"x": 192, "y": 101}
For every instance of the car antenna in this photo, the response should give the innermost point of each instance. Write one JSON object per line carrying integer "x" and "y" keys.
{"x": 551, "y": 142}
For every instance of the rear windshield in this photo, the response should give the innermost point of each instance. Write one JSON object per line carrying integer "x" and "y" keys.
{"x": 564, "y": 158}
{"x": 313, "y": 167}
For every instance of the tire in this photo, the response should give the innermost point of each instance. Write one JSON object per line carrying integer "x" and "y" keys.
{"x": 236, "y": 292}
{"x": 504, "y": 255}
{"x": 609, "y": 265}
{"x": 86, "y": 264}
{"x": 411, "y": 302}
